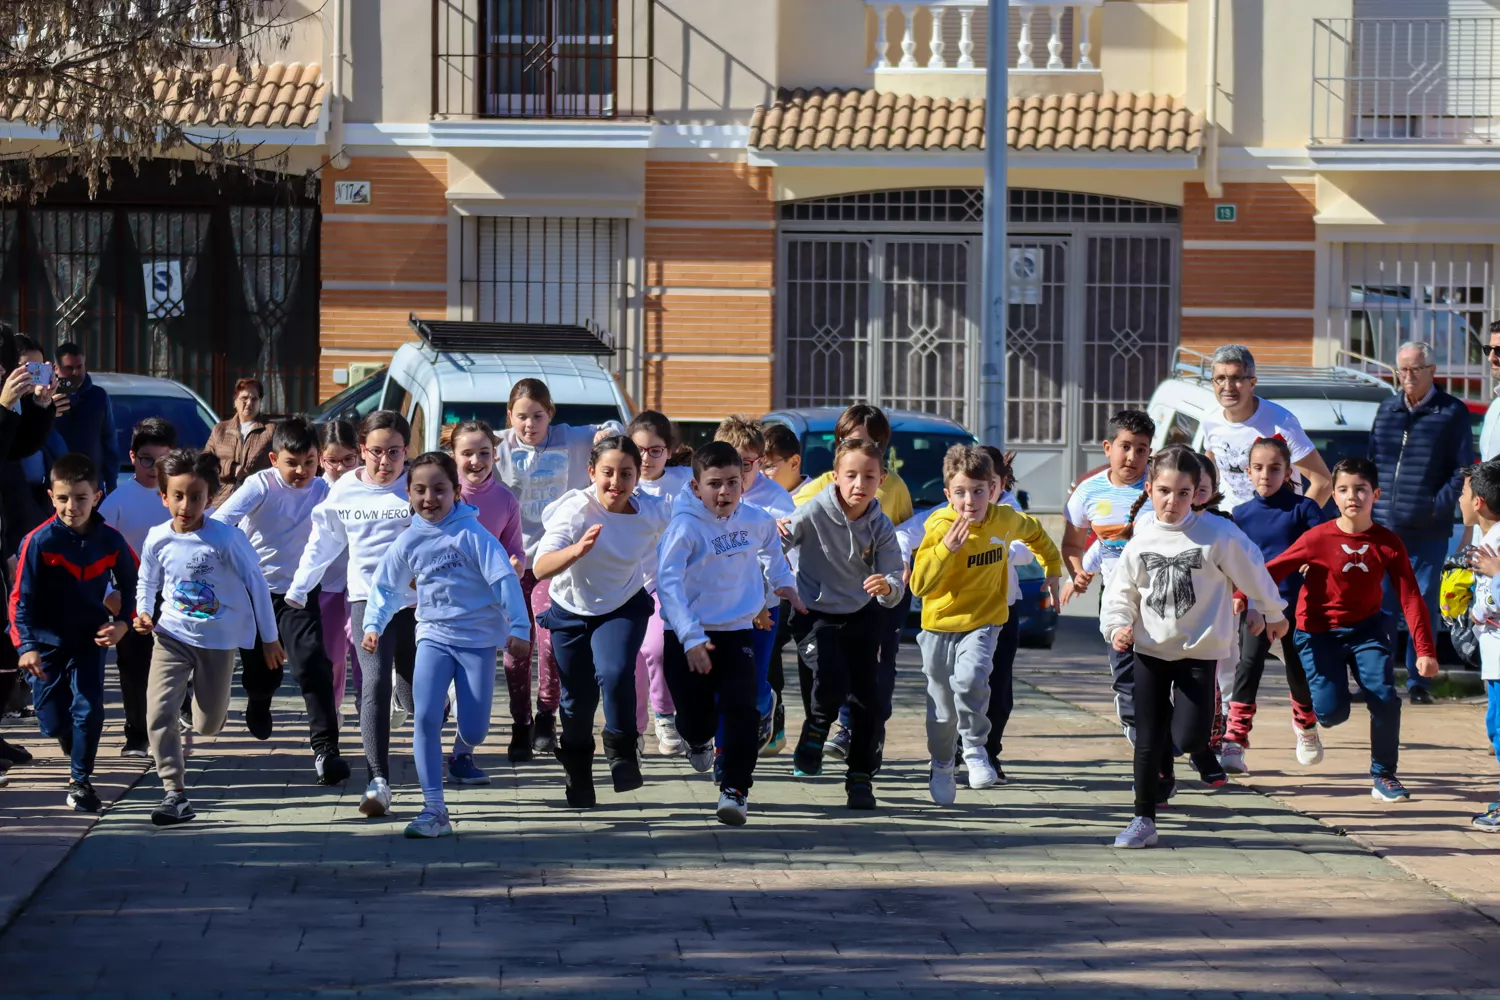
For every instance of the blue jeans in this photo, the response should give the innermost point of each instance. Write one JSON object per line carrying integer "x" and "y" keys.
{"x": 596, "y": 656}
{"x": 1364, "y": 650}
{"x": 1427, "y": 555}
{"x": 472, "y": 674}
{"x": 69, "y": 702}
{"x": 1492, "y": 716}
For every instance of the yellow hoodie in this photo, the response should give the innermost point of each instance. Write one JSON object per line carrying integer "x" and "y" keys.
{"x": 894, "y": 497}
{"x": 968, "y": 589}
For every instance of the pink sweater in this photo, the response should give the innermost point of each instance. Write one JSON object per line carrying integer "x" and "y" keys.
{"x": 499, "y": 512}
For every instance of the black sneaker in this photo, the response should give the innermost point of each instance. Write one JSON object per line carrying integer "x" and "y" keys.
{"x": 136, "y": 748}
{"x": 1420, "y": 696}
{"x": 859, "y": 793}
{"x": 174, "y": 809}
{"x": 1209, "y": 769}
{"x": 14, "y": 754}
{"x": 1000, "y": 778}
{"x": 258, "y": 718}
{"x": 82, "y": 798}
{"x": 520, "y": 749}
{"x": 544, "y": 739}
{"x": 332, "y": 769}
{"x": 807, "y": 759}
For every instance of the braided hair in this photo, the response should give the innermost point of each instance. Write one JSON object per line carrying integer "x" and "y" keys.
{"x": 1173, "y": 458}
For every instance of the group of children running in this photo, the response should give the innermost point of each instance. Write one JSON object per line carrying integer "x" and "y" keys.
{"x": 667, "y": 592}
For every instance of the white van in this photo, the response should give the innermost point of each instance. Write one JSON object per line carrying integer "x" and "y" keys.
{"x": 1336, "y": 406}
{"x": 461, "y": 370}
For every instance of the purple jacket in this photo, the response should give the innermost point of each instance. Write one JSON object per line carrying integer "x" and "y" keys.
{"x": 499, "y": 513}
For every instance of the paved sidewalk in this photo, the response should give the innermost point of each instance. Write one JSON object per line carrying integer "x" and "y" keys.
{"x": 280, "y": 888}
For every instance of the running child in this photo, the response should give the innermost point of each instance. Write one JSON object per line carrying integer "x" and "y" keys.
{"x": 468, "y": 603}
{"x": 783, "y": 464}
{"x": 363, "y": 515}
{"x": 1171, "y": 597}
{"x": 473, "y": 445}
{"x": 718, "y": 558}
{"x": 849, "y": 575}
{"x": 133, "y": 509}
{"x": 1275, "y": 517}
{"x": 274, "y": 508}
{"x": 961, "y": 573}
{"x": 214, "y": 601}
{"x": 60, "y": 623}
{"x": 338, "y": 451}
{"x": 1341, "y": 628}
{"x": 783, "y": 458}
{"x": 1484, "y": 491}
{"x": 657, "y": 439}
{"x": 595, "y": 550}
{"x": 540, "y": 461}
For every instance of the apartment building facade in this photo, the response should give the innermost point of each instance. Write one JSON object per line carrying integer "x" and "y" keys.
{"x": 777, "y": 202}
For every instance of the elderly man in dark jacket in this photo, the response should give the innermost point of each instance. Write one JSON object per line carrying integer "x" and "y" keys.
{"x": 1421, "y": 442}
{"x": 89, "y": 425}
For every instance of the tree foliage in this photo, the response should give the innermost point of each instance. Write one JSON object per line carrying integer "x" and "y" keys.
{"x": 118, "y": 81}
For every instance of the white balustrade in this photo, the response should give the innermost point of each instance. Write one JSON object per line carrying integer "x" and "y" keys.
{"x": 1066, "y": 27}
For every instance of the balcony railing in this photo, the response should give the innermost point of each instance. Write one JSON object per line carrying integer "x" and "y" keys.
{"x": 579, "y": 59}
{"x": 1399, "y": 80}
{"x": 950, "y": 35}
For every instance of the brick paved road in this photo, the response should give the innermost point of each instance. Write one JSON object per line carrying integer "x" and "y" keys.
{"x": 282, "y": 889}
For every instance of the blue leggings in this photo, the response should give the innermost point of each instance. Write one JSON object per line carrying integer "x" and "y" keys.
{"x": 472, "y": 672}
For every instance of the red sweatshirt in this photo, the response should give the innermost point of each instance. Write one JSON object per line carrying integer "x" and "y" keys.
{"x": 1344, "y": 577}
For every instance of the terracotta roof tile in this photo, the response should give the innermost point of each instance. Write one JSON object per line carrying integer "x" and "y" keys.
{"x": 274, "y": 95}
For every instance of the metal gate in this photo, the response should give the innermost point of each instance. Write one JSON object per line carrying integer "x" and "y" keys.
{"x": 879, "y": 300}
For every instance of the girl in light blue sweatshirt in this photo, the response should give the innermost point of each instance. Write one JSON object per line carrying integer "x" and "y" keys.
{"x": 469, "y": 602}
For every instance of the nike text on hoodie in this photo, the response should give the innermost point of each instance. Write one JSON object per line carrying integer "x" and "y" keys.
{"x": 1175, "y": 583}
{"x": 277, "y": 519}
{"x": 614, "y": 569}
{"x": 213, "y": 593}
{"x": 709, "y": 576}
{"x": 467, "y": 592}
{"x": 361, "y": 518}
{"x": 835, "y": 555}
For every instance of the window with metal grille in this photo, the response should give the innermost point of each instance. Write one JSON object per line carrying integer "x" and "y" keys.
{"x": 966, "y": 205}
{"x": 1386, "y": 294}
{"x": 545, "y": 270}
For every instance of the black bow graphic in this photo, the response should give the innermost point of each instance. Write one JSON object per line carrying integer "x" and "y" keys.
{"x": 1175, "y": 572}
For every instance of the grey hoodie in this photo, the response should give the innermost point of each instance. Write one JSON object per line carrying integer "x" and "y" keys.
{"x": 835, "y": 554}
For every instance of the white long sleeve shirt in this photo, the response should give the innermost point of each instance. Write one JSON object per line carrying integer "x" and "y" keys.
{"x": 1175, "y": 583}
{"x": 213, "y": 593}
{"x": 1485, "y": 610}
{"x": 360, "y": 518}
{"x": 133, "y": 510}
{"x": 713, "y": 573}
{"x": 615, "y": 567}
{"x": 539, "y": 475}
{"x": 277, "y": 519}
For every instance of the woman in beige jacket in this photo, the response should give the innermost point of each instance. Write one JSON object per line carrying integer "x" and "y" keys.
{"x": 243, "y": 442}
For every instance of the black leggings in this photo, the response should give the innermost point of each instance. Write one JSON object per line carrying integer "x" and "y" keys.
{"x": 1161, "y": 721}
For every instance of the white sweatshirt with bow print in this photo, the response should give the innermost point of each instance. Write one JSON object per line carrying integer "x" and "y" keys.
{"x": 1175, "y": 583}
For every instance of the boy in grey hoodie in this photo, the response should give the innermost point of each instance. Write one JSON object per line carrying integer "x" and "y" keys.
{"x": 849, "y": 567}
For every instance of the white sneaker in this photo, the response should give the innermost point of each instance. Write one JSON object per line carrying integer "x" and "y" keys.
{"x": 1309, "y": 746}
{"x": 1140, "y": 833}
{"x": 702, "y": 758}
{"x": 942, "y": 785}
{"x": 377, "y": 800}
{"x": 981, "y": 771}
{"x": 1232, "y": 758}
{"x": 732, "y": 807}
{"x": 398, "y": 715}
{"x": 668, "y": 739}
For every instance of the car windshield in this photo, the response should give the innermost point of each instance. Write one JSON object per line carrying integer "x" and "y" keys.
{"x": 494, "y": 413}
{"x": 1336, "y": 445}
{"x": 915, "y": 456}
{"x": 192, "y": 423}
{"x": 356, "y": 402}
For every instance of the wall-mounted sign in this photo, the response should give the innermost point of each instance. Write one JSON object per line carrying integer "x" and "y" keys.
{"x": 1023, "y": 284}
{"x": 1225, "y": 213}
{"x": 163, "y": 288}
{"x": 351, "y": 192}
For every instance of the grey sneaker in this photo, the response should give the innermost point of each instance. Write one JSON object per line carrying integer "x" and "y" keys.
{"x": 174, "y": 809}
{"x": 432, "y": 821}
{"x": 702, "y": 758}
{"x": 1140, "y": 833}
{"x": 1232, "y": 758}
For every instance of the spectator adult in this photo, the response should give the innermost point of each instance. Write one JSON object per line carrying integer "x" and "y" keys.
{"x": 1489, "y": 432}
{"x": 88, "y": 425}
{"x": 24, "y": 490}
{"x": 1422, "y": 441}
{"x": 1245, "y": 419}
{"x": 243, "y": 442}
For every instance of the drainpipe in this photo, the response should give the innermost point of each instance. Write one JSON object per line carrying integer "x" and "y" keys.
{"x": 340, "y": 159}
{"x": 1210, "y": 108}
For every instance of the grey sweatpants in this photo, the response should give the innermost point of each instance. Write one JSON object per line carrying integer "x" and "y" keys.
{"x": 175, "y": 665}
{"x": 957, "y": 666}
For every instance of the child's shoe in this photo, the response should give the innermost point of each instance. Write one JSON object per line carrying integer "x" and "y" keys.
{"x": 859, "y": 793}
{"x": 1209, "y": 769}
{"x": 621, "y": 751}
{"x": 544, "y": 740}
{"x": 377, "y": 800}
{"x": 332, "y": 769}
{"x": 432, "y": 821}
{"x": 82, "y": 798}
{"x": 1309, "y": 745}
{"x": 702, "y": 758}
{"x": 174, "y": 809}
{"x": 1388, "y": 789}
{"x": 981, "y": 773}
{"x": 777, "y": 744}
{"x": 14, "y": 754}
{"x": 837, "y": 745}
{"x": 463, "y": 771}
{"x": 578, "y": 765}
{"x": 1140, "y": 833}
{"x": 807, "y": 759}
{"x": 732, "y": 808}
{"x": 767, "y": 728}
{"x": 669, "y": 742}
{"x": 258, "y": 718}
{"x": 1232, "y": 758}
{"x": 1489, "y": 820}
{"x": 942, "y": 785}
{"x": 520, "y": 751}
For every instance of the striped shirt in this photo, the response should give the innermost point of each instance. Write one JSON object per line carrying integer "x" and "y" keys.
{"x": 1099, "y": 504}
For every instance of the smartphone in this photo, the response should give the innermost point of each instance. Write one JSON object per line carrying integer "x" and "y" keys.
{"x": 40, "y": 372}
{"x": 66, "y": 386}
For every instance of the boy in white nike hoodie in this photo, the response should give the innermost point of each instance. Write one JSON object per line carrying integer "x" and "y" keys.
{"x": 711, "y": 584}
{"x": 469, "y": 602}
{"x": 366, "y": 511}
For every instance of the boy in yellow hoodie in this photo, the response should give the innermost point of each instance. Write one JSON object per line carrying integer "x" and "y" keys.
{"x": 960, "y": 573}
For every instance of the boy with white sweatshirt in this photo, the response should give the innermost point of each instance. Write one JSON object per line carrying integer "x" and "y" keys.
{"x": 214, "y": 601}
{"x": 274, "y": 509}
{"x": 364, "y": 514}
{"x": 716, "y": 560}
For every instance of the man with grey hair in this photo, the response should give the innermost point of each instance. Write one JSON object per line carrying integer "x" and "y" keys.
{"x": 1245, "y": 419}
{"x": 1489, "y": 434}
{"x": 1422, "y": 442}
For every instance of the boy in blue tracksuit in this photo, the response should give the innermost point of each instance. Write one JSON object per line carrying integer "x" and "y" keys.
{"x": 60, "y": 623}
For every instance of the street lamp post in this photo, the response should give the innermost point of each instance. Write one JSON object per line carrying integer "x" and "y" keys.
{"x": 992, "y": 390}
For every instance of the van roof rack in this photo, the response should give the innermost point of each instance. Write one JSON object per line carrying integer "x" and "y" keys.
{"x": 1359, "y": 371}
{"x": 512, "y": 338}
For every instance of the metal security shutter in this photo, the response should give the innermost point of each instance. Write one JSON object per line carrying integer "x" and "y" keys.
{"x": 550, "y": 270}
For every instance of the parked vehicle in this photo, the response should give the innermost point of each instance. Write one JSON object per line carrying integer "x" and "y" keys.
{"x": 353, "y": 403}
{"x": 136, "y": 397}
{"x": 464, "y": 371}
{"x": 1035, "y": 609}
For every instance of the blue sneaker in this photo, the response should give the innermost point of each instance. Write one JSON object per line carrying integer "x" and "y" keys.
{"x": 1388, "y": 789}
{"x": 432, "y": 821}
{"x": 837, "y": 745}
{"x": 1489, "y": 820}
{"x": 767, "y": 729}
{"x": 718, "y": 767}
{"x": 462, "y": 771}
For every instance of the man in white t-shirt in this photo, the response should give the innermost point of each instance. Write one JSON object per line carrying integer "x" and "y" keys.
{"x": 1489, "y": 434}
{"x": 1245, "y": 419}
